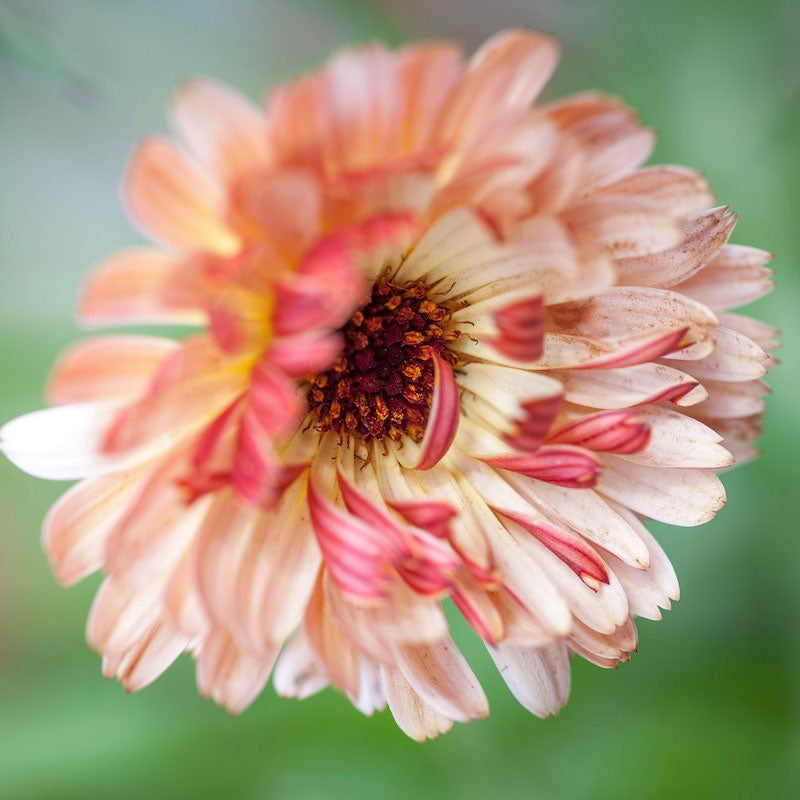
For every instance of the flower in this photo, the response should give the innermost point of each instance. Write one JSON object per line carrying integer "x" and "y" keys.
{"x": 451, "y": 345}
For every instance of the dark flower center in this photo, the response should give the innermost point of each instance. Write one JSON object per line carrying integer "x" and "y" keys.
{"x": 382, "y": 383}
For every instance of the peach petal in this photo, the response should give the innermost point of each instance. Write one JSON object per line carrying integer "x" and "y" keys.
{"x": 219, "y": 126}
{"x": 174, "y": 202}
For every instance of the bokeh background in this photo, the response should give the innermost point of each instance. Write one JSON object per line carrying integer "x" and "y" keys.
{"x": 709, "y": 707}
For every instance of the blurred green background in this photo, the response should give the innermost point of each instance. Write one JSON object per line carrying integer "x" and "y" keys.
{"x": 710, "y": 705}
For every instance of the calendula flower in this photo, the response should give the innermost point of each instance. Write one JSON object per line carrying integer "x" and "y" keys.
{"x": 450, "y": 344}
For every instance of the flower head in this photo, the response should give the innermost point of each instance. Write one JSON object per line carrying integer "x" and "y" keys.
{"x": 450, "y": 344}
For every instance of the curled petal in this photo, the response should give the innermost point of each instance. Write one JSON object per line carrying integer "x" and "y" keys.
{"x": 301, "y": 354}
{"x": 442, "y": 421}
{"x": 607, "y": 432}
{"x": 372, "y": 514}
{"x": 430, "y": 514}
{"x": 569, "y": 547}
{"x": 430, "y": 570}
{"x": 355, "y": 554}
{"x": 564, "y": 465}
{"x": 520, "y": 328}
{"x": 701, "y": 239}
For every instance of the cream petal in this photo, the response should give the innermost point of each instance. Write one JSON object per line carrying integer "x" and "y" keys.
{"x": 626, "y": 227}
{"x": 442, "y": 678}
{"x": 426, "y": 73}
{"x": 333, "y": 650}
{"x": 701, "y": 239}
{"x": 601, "y": 607}
{"x": 631, "y": 386}
{"x": 519, "y": 572}
{"x": 453, "y": 243}
{"x": 737, "y": 276}
{"x": 625, "y": 311}
{"x": 120, "y": 616}
{"x": 613, "y": 141}
{"x": 677, "y": 496}
{"x": 412, "y": 714}
{"x": 277, "y": 577}
{"x": 677, "y": 440}
{"x": 728, "y": 399}
{"x": 183, "y": 606}
{"x": 148, "y": 658}
{"x": 228, "y": 675}
{"x": 660, "y": 569}
{"x": 764, "y": 335}
{"x": 539, "y": 677}
{"x": 297, "y": 673}
{"x": 588, "y": 514}
{"x": 66, "y": 442}
{"x": 156, "y": 525}
{"x": 734, "y": 358}
{"x": 679, "y": 190}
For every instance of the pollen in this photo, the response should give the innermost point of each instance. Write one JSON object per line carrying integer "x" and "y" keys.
{"x": 381, "y": 384}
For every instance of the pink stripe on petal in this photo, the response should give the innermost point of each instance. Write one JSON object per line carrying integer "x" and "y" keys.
{"x": 474, "y": 615}
{"x": 641, "y": 351}
{"x": 565, "y": 465}
{"x": 444, "y": 416}
{"x": 608, "y": 432}
{"x": 569, "y": 547}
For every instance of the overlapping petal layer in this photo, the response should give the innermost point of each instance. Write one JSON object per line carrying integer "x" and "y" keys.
{"x": 556, "y": 359}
